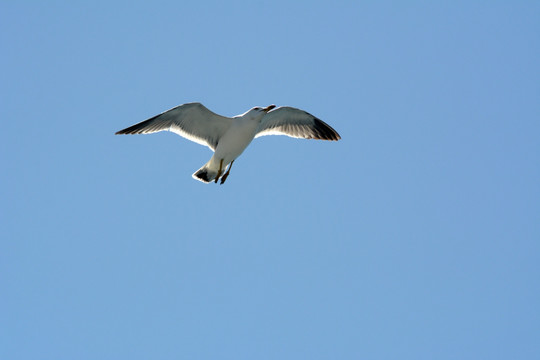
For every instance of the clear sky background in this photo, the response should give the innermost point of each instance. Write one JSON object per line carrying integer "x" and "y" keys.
{"x": 417, "y": 236}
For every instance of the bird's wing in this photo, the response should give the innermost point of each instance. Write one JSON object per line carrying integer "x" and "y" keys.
{"x": 192, "y": 121}
{"x": 295, "y": 123}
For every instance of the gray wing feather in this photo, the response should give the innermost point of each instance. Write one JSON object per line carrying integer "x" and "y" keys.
{"x": 295, "y": 123}
{"x": 192, "y": 121}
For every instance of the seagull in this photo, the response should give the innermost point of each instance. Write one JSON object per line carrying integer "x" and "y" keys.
{"x": 228, "y": 137}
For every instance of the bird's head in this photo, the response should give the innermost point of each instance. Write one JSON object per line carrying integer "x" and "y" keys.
{"x": 258, "y": 112}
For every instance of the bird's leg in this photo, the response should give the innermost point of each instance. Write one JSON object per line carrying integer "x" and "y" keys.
{"x": 226, "y": 174}
{"x": 219, "y": 171}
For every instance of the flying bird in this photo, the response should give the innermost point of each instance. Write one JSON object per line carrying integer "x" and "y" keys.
{"x": 228, "y": 137}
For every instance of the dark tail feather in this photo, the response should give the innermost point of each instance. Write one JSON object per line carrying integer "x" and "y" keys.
{"x": 204, "y": 174}
{"x": 201, "y": 175}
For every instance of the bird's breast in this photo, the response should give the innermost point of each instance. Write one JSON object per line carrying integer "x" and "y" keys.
{"x": 235, "y": 140}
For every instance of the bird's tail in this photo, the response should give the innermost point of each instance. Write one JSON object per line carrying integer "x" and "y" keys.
{"x": 205, "y": 174}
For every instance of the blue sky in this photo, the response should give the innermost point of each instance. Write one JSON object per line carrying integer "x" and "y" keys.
{"x": 414, "y": 237}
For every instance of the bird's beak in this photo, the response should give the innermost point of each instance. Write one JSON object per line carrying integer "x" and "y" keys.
{"x": 268, "y": 108}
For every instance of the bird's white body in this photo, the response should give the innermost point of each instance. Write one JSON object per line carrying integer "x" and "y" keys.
{"x": 229, "y": 137}
{"x": 232, "y": 144}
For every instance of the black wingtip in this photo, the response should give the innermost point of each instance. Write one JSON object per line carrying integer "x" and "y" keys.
{"x": 325, "y": 131}
{"x": 139, "y": 128}
{"x": 127, "y": 131}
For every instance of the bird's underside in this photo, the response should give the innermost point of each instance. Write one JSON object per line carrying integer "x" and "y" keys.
{"x": 228, "y": 137}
